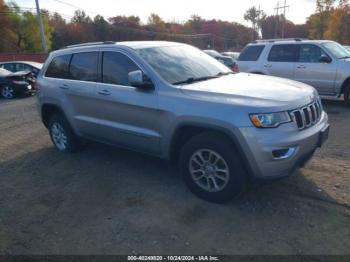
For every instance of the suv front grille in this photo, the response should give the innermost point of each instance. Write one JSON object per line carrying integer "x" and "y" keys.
{"x": 307, "y": 116}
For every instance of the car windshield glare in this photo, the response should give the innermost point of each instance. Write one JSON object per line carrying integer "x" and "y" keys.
{"x": 337, "y": 50}
{"x": 177, "y": 64}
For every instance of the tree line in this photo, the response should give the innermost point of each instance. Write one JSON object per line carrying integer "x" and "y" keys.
{"x": 330, "y": 21}
{"x": 20, "y": 33}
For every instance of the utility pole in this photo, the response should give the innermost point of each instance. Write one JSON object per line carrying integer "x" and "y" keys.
{"x": 259, "y": 21}
{"x": 284, "y": 15}
{"x": 41, "y": 27}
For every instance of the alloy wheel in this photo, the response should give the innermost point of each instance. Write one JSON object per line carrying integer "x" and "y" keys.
{"x": 7, "y": 92}
{"x": 209, "y": 170}
{"x": 59, "y": 136}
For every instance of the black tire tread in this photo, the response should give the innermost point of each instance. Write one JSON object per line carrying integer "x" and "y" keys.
{"x": 226, "y": 148}
{"x": 73, "y": 144}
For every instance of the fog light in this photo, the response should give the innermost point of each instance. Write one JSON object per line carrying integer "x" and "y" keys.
{"x": 283, "y": 153}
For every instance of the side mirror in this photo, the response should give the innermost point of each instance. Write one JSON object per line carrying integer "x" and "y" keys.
{"x": 325, "y": 59}
{"x": 140, "y": 80}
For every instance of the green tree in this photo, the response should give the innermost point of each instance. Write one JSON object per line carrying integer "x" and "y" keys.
{"x": 253, "y": 15}
{"x": 26, "y": 30}
{"x": 317, "y": 22}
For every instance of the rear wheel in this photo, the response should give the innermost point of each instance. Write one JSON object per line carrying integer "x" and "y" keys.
{"x": 62, "y": 135}
{"x": 347, "y": 95}
{"x": 212, "y": 168}
{"x": 7, "y": 92}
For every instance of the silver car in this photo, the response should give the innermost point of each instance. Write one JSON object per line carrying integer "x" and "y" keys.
{"x": 322, "y": 64}
{"x": 172, "y": 101}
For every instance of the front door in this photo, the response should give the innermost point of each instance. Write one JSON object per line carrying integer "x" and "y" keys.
{"x": 310, "y": 70}
{"x": 125, "y": 115}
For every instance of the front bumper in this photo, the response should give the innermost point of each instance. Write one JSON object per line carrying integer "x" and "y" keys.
{"x": 24, "y": 89}
{"x": 259, "y": 146}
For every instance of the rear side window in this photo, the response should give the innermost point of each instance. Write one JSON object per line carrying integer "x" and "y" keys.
{"x": 116, "y": 67}
{"x": 283, "y": 53}
{"x": 83, "y": 66}
{"x": 59, "y": 67}
{"x": 251, "y": 53}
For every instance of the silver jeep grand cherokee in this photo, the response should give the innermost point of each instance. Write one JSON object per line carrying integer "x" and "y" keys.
{"x": 173, "y": 101}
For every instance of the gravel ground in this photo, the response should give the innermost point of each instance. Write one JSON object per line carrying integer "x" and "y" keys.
{"x": 110, "y": 201}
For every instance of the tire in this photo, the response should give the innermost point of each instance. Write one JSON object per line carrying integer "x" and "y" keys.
{"x": 62, "y": 135}
{"x": 347, "y": 95}
{"x": 7, "y": 92}
{"x": 228, "y": 184}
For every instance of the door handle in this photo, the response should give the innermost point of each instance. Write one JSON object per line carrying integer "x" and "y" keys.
{"x": 267, "y": 65}
{"x": 104, "y": 92}
{"x": 64, "y": 87}
{"x": 301, "y": 67}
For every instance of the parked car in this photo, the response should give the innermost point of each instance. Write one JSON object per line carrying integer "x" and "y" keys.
{"x": 15, "y": 84}
{"x": 226, "y": 60}
{"x": 322, "y": 64}
{"x": 17, "y": 66}
{"x": 234, "y": 55}
{"x": 172, "y": 101}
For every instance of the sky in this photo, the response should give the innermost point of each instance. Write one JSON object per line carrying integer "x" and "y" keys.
{"x": 176, "y": 10}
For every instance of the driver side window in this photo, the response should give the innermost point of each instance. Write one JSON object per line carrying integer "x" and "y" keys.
{"x": 310, "y": 54}
{"x": 116, "y": 67}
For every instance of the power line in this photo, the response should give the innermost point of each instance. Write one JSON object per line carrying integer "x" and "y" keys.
{"x": 75, "y": 6}
{"x": 284, "y": 14}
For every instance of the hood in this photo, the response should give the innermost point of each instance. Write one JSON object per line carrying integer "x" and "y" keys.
{"x": 255, "y": 91}
{"x": 19, "y": 73}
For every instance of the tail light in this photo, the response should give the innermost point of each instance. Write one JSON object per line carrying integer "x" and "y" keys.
{"x": 235, "y": 68}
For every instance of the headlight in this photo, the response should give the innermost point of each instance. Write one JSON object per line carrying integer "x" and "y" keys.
{"x": 270, "y": 120}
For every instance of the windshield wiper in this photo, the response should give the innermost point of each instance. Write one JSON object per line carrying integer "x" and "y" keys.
{"x": 198, "y": 79}
{"x": 344, "y": 57}
{"x": 191, "y": 80}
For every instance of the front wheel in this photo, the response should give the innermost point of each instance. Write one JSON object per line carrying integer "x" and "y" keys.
{"x": 7, "y": 92}
{"x": 212, "y": 168}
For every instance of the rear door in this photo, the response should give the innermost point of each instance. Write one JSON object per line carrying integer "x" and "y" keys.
{"x": 311, "y": 71}
{"x": 79, "y": 88}
{"x": 124, "y": 115}
{"x": 247, "y": 61}
{"x": 281, "y": 60}
{"x": 71, "y": 79}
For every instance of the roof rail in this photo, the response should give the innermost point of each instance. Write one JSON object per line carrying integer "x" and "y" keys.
{"x": 279, "y": 40}
{"x": 90, "y": 44}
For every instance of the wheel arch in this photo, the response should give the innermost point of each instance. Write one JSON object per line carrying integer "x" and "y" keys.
{"x": 48, "y": 110}
{"x": 345, "y": 84}
{"x": 186, "y": 131}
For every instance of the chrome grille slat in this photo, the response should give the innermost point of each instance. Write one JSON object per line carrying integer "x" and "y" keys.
{"x": 307, "y": 116}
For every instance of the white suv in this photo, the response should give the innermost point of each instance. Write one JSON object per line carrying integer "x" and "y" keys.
{"x": 324, "y": 65}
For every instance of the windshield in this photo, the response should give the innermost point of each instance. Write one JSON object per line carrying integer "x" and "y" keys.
{"x": 177, "y": 64}
{"x": 337, "y": 50}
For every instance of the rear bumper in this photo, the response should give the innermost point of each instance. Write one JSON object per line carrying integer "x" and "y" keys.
{"x": 259, "y": 146}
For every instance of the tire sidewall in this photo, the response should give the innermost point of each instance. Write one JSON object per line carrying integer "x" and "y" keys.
{"x": 71, "y": 139}
{"x": 237, "y": 174}
{"x": 1, "y": 90}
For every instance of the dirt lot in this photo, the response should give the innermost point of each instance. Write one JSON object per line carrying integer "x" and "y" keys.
{"x": 110, "y": 201}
